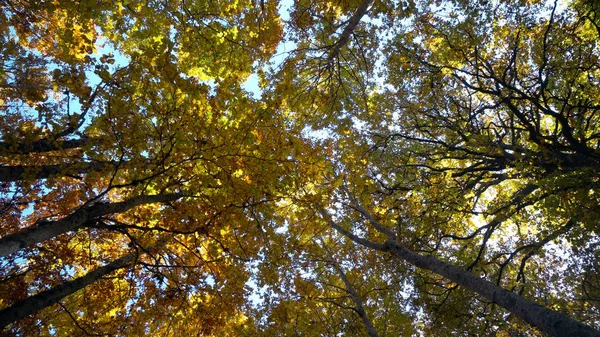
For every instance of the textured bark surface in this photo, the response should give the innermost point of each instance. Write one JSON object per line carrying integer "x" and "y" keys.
{"x": 551, "y": 322}
{"x": 360, "y": 308}
{"x": 49, "y": 297}
{"x": 48, "y": 229}
{"x": 350, "y": 27}
{"x": 21, "y": 172}
{"x": 42, "y": 145}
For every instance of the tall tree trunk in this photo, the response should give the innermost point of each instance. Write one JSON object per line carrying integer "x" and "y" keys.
{"x": 20, "y": 172}
{"x": 52, "y": 296}
{"x": 549, "y": 321}
{"x": 349, "y": 29}
{"x": 46, "y": 230}
{"x": 42, "y": 145}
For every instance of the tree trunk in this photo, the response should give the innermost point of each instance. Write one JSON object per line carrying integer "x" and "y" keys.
{"x": 548, "y": 321}
{"x": 42, "y": 145}
{"x": 349, "y": 29}
{"x": 20, "y": 172}
{"x": 360, "y": 308}
{"x": 551, "y": 322}
{"x": 46, "y": 230}
{"x": 52, "y": 296}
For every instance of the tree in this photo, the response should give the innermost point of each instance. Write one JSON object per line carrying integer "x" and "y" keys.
{"x": 478, "y": 146}
{"x": 46, "y": 298}
{"x": 124, "y": 153}
{"x": 406, "y": 168}
{"x": 553, "y": 323}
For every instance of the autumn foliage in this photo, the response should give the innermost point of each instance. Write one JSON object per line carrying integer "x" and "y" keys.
{"x": 315, "y": 168}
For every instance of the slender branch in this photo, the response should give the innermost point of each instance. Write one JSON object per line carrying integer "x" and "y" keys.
{"x": 348, "y": 234}
{"x": 380, "y": 227}
{"x": 360, "y": 309}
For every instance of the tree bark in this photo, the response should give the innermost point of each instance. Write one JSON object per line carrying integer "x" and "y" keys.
{"x": 46, "y": 230}
{"x": 350, "y": 27}
{"x": 42, "y": 145}
{"x": 549, "y": 321}
{"x": 52, "y": 296}
{"x": 360, "y": 308}
{"x": 20, "y": 172}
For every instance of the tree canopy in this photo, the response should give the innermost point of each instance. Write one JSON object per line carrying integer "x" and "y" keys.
{"x": 306, "y": 168}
